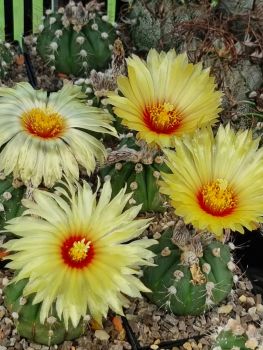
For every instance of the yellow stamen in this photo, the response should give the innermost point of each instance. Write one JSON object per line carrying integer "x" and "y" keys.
{"x": 79, "y": 250}
{"x": 43, "y": 122}
{"x": 217, "y": 198}
{"x": 162, "y": 117}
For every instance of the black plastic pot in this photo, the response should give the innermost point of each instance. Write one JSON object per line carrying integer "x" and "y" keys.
{"x": 249, "y": 253}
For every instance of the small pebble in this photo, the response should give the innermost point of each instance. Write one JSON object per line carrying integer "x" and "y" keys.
{"x": 101, "y": 334}
{"x": 259, "y": 309}
{"x": 154, "y": 347}
{"x": 2, "y": 311}
{"x": 182, "y": 326}
{"x": 157, "y": 235}
{"x": 5, "y": 281}
{"x": 8, "y": 321}
{"x": 242, "y": 298}
{"x": 35, "y": 346}
{"x": 225, "y": 309}
{"x": 252, "y": 311}
{"x": 187, "y": 346}
{"x": 251, "y": 301}
{"x": 251, "y": 344}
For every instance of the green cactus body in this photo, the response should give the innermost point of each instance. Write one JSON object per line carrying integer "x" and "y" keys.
{"x": 11, "y": 194}
{"x": 190, "y": 276}
{"x": 140, "y": 175}
{"x": 6, "y": 58}
{"x": 226, "y": 340}
{"x": 28, "y": 324}
{"x": 73, "y": 47}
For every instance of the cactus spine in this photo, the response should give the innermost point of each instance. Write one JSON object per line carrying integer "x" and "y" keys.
{"x": 193, "y": 272}
{"x": 76, "y": 39}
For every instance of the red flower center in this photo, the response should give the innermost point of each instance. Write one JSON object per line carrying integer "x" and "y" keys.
{"x": 77, "y": 252}
{"x": 162, "y": 118}
{"x": 217, "y": 198}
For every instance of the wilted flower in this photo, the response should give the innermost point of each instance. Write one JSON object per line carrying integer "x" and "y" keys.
{"x": 44, "y": 136}
{"x": 165, "y": 97}
{"x": 216, "y": 182}
{"x": 74, "y": 253}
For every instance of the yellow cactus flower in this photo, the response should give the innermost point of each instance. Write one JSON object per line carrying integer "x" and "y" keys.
{"x": 216, "y": 182}
{"x": 73, "y": 251}
{"x": 43, "y": 136}
{"x": 165, "y": 97}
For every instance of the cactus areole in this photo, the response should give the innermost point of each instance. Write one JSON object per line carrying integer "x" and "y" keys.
{"x": 76, "y": 39}
{"x": 192, "y": 273}
{"x": 27, "y": 320}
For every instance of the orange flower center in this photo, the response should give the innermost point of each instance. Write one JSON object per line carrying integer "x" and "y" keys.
{"x": 44, "y": 123}
{"x": 162, "y": 118}
{"x": 217, "y": 198}
{"x": 77, "y": 252}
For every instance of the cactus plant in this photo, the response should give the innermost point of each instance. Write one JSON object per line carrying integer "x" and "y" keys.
{"x": 147, "y": 27}
{"x": 235, "y": 336}
{"x": 11, "y": 193}
{"x": 138, "y": 166}
{"x": 193, "y": 272}
{"x": 26, "y": 316}
{"x": 76, "y": 39}
{"x": 227, "y": 341}
{"x": 153, "y": 23}
{"x": 6, "y": 58}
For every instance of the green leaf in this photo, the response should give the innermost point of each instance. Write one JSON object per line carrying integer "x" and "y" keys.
{"x": 18, "y": 15}
{"x": 2, "y": 20}
{"x": 111, "y": 10}
{"x": 38, "y": 9}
